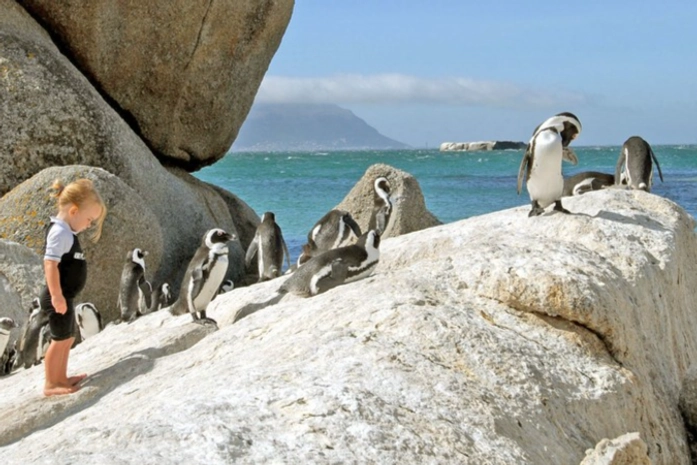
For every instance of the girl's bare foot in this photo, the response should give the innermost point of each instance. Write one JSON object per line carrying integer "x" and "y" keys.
{"x": 74, "y": 380}
{"x": 59, "y": 390}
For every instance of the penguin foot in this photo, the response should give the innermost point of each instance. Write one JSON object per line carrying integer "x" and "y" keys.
{"x": 559, "y": 208}
{"x": 536, "y": 211}
{"x": 207, "y": 322}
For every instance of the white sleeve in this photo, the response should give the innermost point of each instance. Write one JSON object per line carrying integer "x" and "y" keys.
{"x": 58, "y": 243}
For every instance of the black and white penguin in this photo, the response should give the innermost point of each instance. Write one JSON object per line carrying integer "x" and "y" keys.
{"x": 335, "y": 229}
{"x": 133, "y": 285}
{"x": 8, "y": 359}
{"x": 6, "y": 326}
{"x": 203, "y": 276}
{"x": 226, "y": 286}
{"x": 634, "y": 164}
{"x": 29, "y": 339}
{"x": 541, "y": 164}
{"x": 382, "y": 209}
{"x": 269, "y": 247}
{"x": 89, "y": 320}
{"x": 585, "y": 182}
{"x": 161, "y": 297}
{"x": 335, "y": 267}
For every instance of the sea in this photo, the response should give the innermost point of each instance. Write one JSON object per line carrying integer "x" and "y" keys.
{"x": 300, "y": 187}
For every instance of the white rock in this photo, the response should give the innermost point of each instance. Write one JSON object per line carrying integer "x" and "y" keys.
{"x": 627, "y": 449}
{"x": 501, "y": 339}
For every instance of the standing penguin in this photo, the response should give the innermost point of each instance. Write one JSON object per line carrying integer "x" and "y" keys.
{"x": 635, "y": 158}
{"x": 203, "y": 276}
{"x": 382, "y": 209}
{"x": 89, "y": 319}
{"x": 269, "y": 247}
{"x": 335, "y": 229}
{"x": 133, "y": 285}
{"x": 541, "y": 164}
{"x": 29, "y": 340}
{"x": 161, "y": 297}
{"x": 337, "y": 266}
{"x": 6, "y": 326}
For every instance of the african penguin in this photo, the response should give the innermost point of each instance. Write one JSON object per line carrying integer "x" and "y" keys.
{"x": 88, "y": 319}
{"x": 133, "y": 285}
{"x": 161, "y": 297}
{"x": 26, "y": 348}
{"x": 335, "y": 229}
{"x": 226, "y": 286}
{"x": 8, "y": 359}
{"x": 334, "y": 267}
{"x": 203, "y": 276}
{"x": 541, "y": 164}
{"x": 269, "y": 247}
{"x": 586, "y": 181}
{"x": 635, "y": 158}
{"x": 6, "y": 326}
{"x": 382, "y": 209}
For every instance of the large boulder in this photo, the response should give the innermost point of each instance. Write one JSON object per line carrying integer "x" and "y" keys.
{"x": 184, "y": 72}
{"x": 51, "y": 115}
{"x": 25, "y": 211}
{"x": 424, "y": 362}
{"x": 21, "y": 279}
{"x": 409, "y": 207}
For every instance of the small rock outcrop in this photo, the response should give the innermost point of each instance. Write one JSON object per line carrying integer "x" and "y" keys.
{"x": 499, "y": 339}
{"x": 184, "y": 72}
{"x": 21, "y": 279}
{"x": 627, "y": 449}
{"x": 481, "y": 145}
{"x": 24, "y": 216}
{"x": 409, "y": 207}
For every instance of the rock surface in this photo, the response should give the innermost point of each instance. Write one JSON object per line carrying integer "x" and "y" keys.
{"x": 627, "y": 449}
{"x": 51, "y": 115}
{"x": 184, "y": 72}
{"x": 481, "y": 145}
{"x": 688, "y": 407}
{"x": 409, "y": 207}
{"x": 21, "y": 279}
{"x": 500, "y": 339}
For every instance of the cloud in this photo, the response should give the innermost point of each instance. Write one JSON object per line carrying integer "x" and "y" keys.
{"x": 400, "y": 88}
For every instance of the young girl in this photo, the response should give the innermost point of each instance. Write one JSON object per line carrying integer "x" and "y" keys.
{"x": 79, "y": 207}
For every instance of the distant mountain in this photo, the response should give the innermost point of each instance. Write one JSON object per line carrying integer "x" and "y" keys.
{"x": 291, "y": 127}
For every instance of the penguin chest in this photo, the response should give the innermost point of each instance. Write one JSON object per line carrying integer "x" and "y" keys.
{"x": 4, "y": 339}
{"x": 211, "y": 284}
{"x": 546, "y": 182}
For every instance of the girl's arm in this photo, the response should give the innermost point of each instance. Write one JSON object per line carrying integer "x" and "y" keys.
{"x": 54, "y": 286}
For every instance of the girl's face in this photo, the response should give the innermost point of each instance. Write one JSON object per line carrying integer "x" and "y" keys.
{"x": 81, "y": 218}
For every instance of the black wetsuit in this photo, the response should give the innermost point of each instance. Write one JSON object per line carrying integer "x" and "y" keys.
{"x": 73, "y": 275}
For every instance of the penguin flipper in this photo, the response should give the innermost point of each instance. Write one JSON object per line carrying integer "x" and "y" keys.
{"x": 655, "y": 160}
{"x": 569, "y": 155}
{"x": 524, "y": 167}
{"x": 251, "y": 250}
{"x": 285, "y": 251}
{"x": 337, "y": 277}
{"x": 194, "y": 287}
{"x": 146, "y": 289}
{"x": 618, "y": 168}
{"x": 348, "y": 219}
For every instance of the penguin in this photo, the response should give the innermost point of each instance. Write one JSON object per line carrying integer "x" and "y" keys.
{"x": 335, "y": 267}
{"x": 586, "y": 181}
{"x": 382, "y": 209}
{"x": 335, "y": 229}
{"x": 88, "y": 319}
{"x": 541, "y": 163}
{"x": 29, "y": 337}
{"x": 8, "y": 359}
{"x": 226, "y": 286}
{"x": 6, "y": 326}
{"x": 133, "y": 285}
{"x": 269, "y": 247}
{"x": 203, "y": 276}
{"x": 161, "y": 297}
{"x": 635, "y": 158}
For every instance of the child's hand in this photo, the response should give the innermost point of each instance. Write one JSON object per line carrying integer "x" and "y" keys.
{"x": 59, "y": 304}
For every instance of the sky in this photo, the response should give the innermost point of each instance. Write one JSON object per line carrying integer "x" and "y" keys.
{"x": 431, "y": 71}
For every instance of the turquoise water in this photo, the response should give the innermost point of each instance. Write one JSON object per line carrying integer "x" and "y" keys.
{"x": 300, "y": 187}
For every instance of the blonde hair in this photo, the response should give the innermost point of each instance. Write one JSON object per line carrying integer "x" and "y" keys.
{"x": 79, "y": 193}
